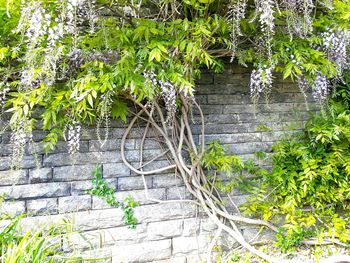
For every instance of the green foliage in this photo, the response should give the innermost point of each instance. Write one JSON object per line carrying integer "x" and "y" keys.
{"x": 217, "y": 159}
{"x": 34, "y": 246}
{"x": 310, "y": 180}
{"x": 288, "y": 241}
{"x": 101, "y": 189}
{"x": 174, "y": 47}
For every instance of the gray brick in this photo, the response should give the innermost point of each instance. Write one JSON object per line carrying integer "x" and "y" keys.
{"x": 137, "y": 195}
{"x": 133, "y": 183}
{"x": 234, "y": 138}
{"x": 74, "y": 203}
{"x": 60, "y": 147}
{"x": 206, "y": 78}
{"x": 249, "y": 147}
{"x": 81, "y": 221}
{"x": 115, "y": 169}
{"x": 26, "y": 163}
{"x": 36, "y": 190}
{"x": 118, "y": 236}
{"x": 144, "y": 252}
{"x": 164, "y": 211}
{"x": 166, "y": 180}
{"x": 186, "y": 245}
{"x": 10, "y": 177}
{"x": 164, "y": 229}
{"x": 110, "y": 145}
{"x": 73, "y": 173}
{"x": 13, "y": 208}
{"x": 46, "y": 206}
{"x": 191, "y": 227}
{"x": 157, "y": 164}
{"x": 40, "y": 175}
{"x": 63, "y": 159}
{"x": 228, "y": 99}
{"x": 178, "y": 193}
{"x": 80, "y": 187}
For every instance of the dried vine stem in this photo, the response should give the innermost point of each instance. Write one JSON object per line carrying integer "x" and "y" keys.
{"x": 179, "y": 142}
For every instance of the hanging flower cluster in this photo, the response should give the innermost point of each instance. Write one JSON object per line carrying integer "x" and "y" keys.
{"x": 73, "y": 137}
{"x": 335, "y": 44}
{"x": 320, "y": 88}
{"x": 168, "y": 92}
{"x": 299, "y": 20}
{"x": 237, "y": 12}
{"x": 104, "y": 111}
{"x": 5, "y": 89}
{"x": 20, "y": 136}
{"x": 260, "y": 82}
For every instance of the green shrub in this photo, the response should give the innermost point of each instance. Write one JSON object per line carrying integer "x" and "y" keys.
{"x": 310, "y": 180}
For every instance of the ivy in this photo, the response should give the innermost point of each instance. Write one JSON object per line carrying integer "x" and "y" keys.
{"x": 101, "y": 189}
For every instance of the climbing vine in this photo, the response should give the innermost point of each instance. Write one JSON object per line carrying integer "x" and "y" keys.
{"x": 66, "y": 64}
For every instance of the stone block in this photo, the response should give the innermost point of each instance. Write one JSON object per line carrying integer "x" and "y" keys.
{"x": 80, "y": 187}
{"x": 191, "y": 227}
{"x": 166, "y": 180}
{"x": 35, "y": 190}
{"x": 249, "y": 147}
{"x": 60, "y": 147}
{"x": 10, "y": 177}
{"x": 12, "y": 208}
{"x": 178, "y": 193}
{"x": 144, "y": 252}
{"x": 164, "y": 211}
{"x": 187, "y": 245}
{"x": 74, "y": 203}
{"x": 133, "y": 183}
{"x": 73, "y": 173}
{"x": 80, "y": 221}
{"x": 115, "y": 169}
{"x": 137, "y": 195}
{"x": 234, "y": 138}
{"x": 219, "y": 99}
{"x": 40, "y": 175}
{"x": 46, "y": 206}
{"x": 26, "y": 163}
{"x": 208, "y": 109}
{"x": 105, "y": 237}
{"x": 207, "y": 225}
{"x": 164, "y": 229}
{"x": 157, "y": 164}
{"x": 110, "y": 145}
{"x": 64, "y": 159}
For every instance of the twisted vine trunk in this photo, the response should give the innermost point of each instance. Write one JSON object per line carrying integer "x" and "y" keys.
{"x": 178, "y": 140}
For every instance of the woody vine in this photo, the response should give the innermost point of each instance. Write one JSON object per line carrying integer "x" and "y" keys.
{"x": 66, "y": 64}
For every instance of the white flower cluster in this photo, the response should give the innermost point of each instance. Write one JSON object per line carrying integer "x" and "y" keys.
{"x": 74, "y": 137}
{"x": 168, "y": 92}
{"x": 104, "y": 113}
{"x": 77, "y": 12}
{"x": 320, "y": 88}
{"x": 237, "y": 12}
{"x": 39, "y": 23}
{"x": 265, "y": 8}
{"x": 299, "y": 16}
{"x": 260, "y": 82}
{"x": 5, "y": 89}
{"x": 335, "y": 44}
{"x": 18, "y": 140}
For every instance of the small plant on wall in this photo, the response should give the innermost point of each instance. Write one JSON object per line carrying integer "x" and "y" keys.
{"x": 101, "y": 189}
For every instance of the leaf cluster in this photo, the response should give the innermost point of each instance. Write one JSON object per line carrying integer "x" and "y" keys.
{"x": 101, "y": 189}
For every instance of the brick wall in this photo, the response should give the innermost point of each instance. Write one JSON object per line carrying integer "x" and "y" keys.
{"x": 50, "y": 188}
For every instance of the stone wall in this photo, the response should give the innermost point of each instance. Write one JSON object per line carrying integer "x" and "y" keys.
{"x": 52, "y": 187}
